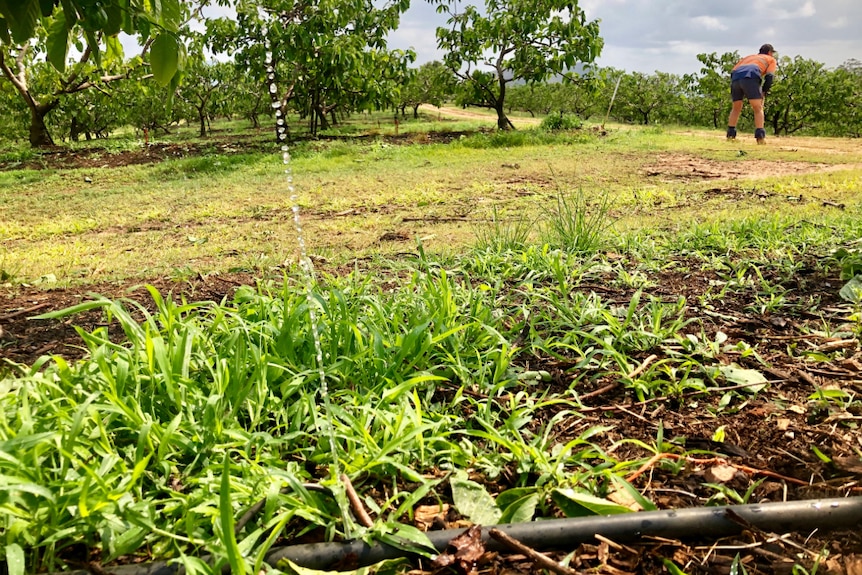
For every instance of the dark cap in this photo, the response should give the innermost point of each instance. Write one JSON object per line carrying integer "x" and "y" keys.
{"x": 766, "y": 49}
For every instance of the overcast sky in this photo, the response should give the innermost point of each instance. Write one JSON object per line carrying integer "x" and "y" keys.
{"x": 666, "y": 35}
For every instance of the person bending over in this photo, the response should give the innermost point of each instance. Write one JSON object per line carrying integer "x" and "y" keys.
{"x": 745, "y": 82}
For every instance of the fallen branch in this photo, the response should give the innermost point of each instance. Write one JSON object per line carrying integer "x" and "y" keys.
{"x": 437, "y": 219}
{"x": 540, "y": 559}
{"x": 355, "y": 503}
{"x": 833, "y": 204}
{"x": 15, "y": 314}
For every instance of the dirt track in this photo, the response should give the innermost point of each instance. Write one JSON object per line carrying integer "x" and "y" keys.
{"x": 461, "y": 114}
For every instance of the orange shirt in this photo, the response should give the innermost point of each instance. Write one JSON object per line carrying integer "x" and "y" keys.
{"x": 756, "y": 65}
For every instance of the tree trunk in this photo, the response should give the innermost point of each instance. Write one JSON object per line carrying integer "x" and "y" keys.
{"x": 74, "y": 130}
{"x": 202, "y": 118}
{"x": 503, "y": 122}
{"x": 39, "y": 134}
{"x": 322, "y": 122}
{"x": 416, "y": 111}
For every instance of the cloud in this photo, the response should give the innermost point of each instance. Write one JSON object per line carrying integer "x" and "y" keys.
{"x": 807, "y": 10}
{"x": 646, "y": 35}
{"x": 840, "y": 22}
{"x": 709, "y": 22}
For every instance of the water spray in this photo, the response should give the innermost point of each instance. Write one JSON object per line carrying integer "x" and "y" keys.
{"x": 307, "y": 268}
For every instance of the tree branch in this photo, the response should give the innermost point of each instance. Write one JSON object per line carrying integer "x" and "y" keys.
{"x": 18, "y": 80}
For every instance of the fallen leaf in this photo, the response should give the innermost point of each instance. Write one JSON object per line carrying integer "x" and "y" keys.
{"x": 853, "y": 564}
{"x": 782, "y": 423}
{"x": 463, "y": 551}
{"x": 424, "y": 516}
{"x": 849, "y": 464}
{"x": 720, "y": 473}
{"x": 624, "y": 498}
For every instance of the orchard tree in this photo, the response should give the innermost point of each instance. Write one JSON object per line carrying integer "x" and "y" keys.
{"x": 645, "y": 97}
{"x": 531, "y": 98}
{"x": 204, "y": 83}
{"x": 847, "y": 80}
{"x": 34, "y": 29}
{"x": 325, "y": 55}
{"x": 247, "y": 97}
{"x": 20, "y": 66}
{"x": 798, "y": 100}
{"x": 146, "y": 109}
{"x": 529, "y": 40}
{"x": 91, "y": 114}
{"x": 431, "y": 84}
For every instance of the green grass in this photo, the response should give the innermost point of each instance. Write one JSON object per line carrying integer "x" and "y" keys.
{"x": 434, "y": 364}
{"x": 350, "y": 190}
{"x": 204, "y": 408}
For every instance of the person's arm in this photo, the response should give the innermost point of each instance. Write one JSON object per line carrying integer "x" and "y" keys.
{"x": 767, "y": 83}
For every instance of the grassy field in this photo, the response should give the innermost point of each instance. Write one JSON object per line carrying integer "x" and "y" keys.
{"x": 225, "y": 204}
{"x": 499, "y": 327}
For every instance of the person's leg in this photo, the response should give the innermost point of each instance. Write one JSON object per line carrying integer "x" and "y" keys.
{"x": 759, "y": 132}
{"x": 757, "y": 108}
{"x": 735, "y": 111}
{"x": 736, "y": 96}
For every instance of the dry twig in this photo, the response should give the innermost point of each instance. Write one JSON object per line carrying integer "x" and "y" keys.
{"x": 355, "y": 503}
{"x": 540, "y": 559}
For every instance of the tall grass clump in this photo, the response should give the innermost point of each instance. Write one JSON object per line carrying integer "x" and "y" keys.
{"x": 576, "y": 225}
{"x": 508, "y": 139}
{"x": 502, "y": 234}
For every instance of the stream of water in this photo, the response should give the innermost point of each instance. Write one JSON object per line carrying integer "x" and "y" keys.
{"x": 307, "y": 269}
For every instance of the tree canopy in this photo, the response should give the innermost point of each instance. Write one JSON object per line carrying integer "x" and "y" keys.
{"x": 99, "y": 22}
{"x": 529, "y": 40}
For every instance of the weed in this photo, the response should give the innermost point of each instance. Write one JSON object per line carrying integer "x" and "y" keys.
{"x": 501, "y": 235}
{"x": 557, "y": 122}
{"x": 577, "y": 226}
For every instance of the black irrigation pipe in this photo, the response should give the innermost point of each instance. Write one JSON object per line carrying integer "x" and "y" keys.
{"x": 699, "y": 522}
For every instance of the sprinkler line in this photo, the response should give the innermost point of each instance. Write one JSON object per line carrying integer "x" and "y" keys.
{"x": 566, "y": 534}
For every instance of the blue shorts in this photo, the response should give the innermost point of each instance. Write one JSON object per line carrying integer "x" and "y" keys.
{"x": 746, "y": 88}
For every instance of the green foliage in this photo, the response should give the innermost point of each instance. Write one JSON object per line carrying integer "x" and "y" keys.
{"x": 579, "y": 97}
{"x": 329, "y": 59}
{"x": 528, "y": 40}
{"x": 644, "y": 98}
{"x": 558, "y": 122}
{"x": 576, "y": 225}
{"x": 98, "y": 23}
{"x": 432, "y": 83}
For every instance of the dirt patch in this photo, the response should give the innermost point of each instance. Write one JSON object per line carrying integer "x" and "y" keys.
{"x": 685, "y": 167}
{"x": 61, "y": 158}
{"x": 24, "y": 339}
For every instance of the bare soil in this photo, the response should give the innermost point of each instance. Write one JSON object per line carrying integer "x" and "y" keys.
{"x": 769, "y": 436}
